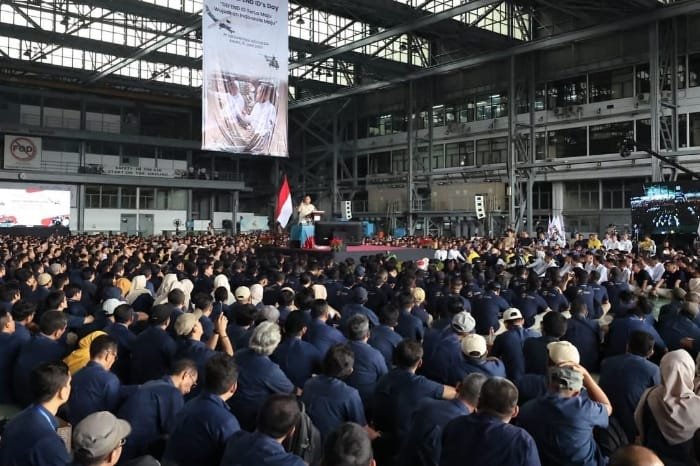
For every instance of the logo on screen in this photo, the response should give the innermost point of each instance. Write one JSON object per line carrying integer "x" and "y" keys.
{"x": 22, "y": 149}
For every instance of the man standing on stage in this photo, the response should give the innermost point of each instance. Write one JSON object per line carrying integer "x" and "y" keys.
{"x": 305, "y": 209}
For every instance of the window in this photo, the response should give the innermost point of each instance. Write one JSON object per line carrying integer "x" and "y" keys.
{"x": 421, "y": 121}
{"x": 542, "y": 196}
{"x": 567, "y": 92}
{"x": 606, "y": 139}
{"x": 399, "y": 123}
{"x": 491, "y": 151}
{"x": 617, "y": 194}
{"x": 570, "y": 142}
{"x": 60, "y": 145}
{"x": 399, "y": 161}
{"x": 491, "y": 106}
{"x": 524, "y": 104}
{"x": 385, "y": 125}
{"x": 379, "y": 162}
{"x": 581, "y": 195}
{"x": 439, "y": 115}
{"x": 109, "y": 198}
{"x": 128, "y": 198}
{"x": 459, "y": 154}
{"x": 643, "y": 130}
{"x": 540, "y": 146}
{"x": 612, "y": 84}
{"x": 642, "y": 78}
{"x": 467, "y": 112}
{"x": 694, "y": 70}
{"x": 694, "y": 129}
{"x": 92, "y": 197}
{"x": 438, "y": 157}
{"x": 147, "y": 198}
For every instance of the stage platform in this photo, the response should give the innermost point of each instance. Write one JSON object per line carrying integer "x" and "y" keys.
{"x": 41, "y": 232}
{"x": 355, "y": 252}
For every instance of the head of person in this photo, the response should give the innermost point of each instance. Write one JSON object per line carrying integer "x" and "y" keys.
{"x": 188, "y": 325}
{"x": 50, "y": 383}
{"x": 184, "y": 375}
{"x": 307, "y": 199}
{"x": 176, "y": 297}
{"x": 23, "y": 311}
{"x": 265, "y": 338}
{"x": 124, "y": 314}
{"x": 499, "y": 397}
{"x": 408, "y": 354}
{"x": 389, "y": 315}
{"x": 358, "y": 328}
{"x": 512, "y": 317}
{"x": 221, "y": 376}
{"x": 278, "y": 416}
{"x": 338, "y": 362}
{"x": 474, "y": 347}
{"x": 579, "y": 308}
{"x": 103, "y": 349}
{"x": 295, "y": 325}
{"x": 554, "y": 325}
{"x": 469, "y": 389}
{"x": 53, "y": 324}
{"x": 348, "y": 445}
{"x": 242, "y": 295}
{"x": 7, "y": 323}
{"x": 634, "y": 455}
{"x": 98, "y": 439}
{"x": 221, "y": 294}
{"x": 359, "y": 295}
{"x": 565, "y": 381}
{"x": 160, "y": 315}
{"x": 319, "y": 309}
{"x": 641, "y": 344}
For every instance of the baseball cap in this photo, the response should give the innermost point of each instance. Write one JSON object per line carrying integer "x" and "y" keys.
{"x": 186, "y": 322}
{"x": 242, "y": 293}
{"x": 563, "y": 351}
{"x": 269, "y": 313}
{"x": 160, "y": 313}
{"x": 359, "y": 294}
{"x": 109, "y": 305}
{"x": 566, "y": 378}
{"x": 511, "y": 314}
{"x": 360, "y": 271}
{"x": 43, "y": 279}
{"x": 99, "y": 434}
{"x": 463, "y": 322}
{"x": 474, "y": 345}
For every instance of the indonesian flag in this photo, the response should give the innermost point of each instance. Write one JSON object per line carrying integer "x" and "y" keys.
{"x": 283, "y": 211}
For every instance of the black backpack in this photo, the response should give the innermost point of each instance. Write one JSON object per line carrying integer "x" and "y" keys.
{"x": 306, "y": 441}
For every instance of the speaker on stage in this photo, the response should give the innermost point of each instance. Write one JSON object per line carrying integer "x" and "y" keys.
{"x": 349, "y": 232}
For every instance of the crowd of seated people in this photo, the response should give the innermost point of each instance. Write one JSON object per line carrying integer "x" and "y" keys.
{"x": 212, "y": 350}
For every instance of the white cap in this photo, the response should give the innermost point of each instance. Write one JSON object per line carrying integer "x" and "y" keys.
{"x": 474, "y": 345}
{"x": 110, "y": 305}
{"x": 563, "y": 351}
{"x": 512, "y": 314}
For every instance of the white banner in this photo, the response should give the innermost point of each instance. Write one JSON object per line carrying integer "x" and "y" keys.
{"x": 244, "y": 91}
{"x": 22, "y": 152}
{"x": 129, "y": 170}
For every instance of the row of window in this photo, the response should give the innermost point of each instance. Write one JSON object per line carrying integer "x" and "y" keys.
{"x": 124, "y": 197}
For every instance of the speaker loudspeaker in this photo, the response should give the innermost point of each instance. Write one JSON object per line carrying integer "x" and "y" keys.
{"x": 347, "y": 210}
{"x": 480, "y": 207}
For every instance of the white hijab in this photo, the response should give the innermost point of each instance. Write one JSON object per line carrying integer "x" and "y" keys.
{"x": 187, "y": 286}
{"x": 169, "y": 282}
{"x": 138, "y": 287}
{"x": 222, "y": 280}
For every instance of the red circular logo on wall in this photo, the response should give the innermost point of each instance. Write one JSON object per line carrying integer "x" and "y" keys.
{"x": 22, "y": 149}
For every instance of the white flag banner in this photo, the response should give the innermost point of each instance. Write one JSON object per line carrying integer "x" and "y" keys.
{"x": 244, "y": 90}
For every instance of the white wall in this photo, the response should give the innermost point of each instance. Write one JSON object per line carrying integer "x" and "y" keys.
{"x": 110, "y": 219}
{"x": 219, "y": 217}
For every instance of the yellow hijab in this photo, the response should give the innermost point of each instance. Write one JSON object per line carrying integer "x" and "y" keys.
{"x": 81, "y": 356}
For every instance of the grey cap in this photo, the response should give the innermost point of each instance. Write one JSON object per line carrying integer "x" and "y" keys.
{"x": 99, "y": 434}
{"x": 269, "y": 313}
{"x": 566, "y": 378}
{"x": 463, "y": 322}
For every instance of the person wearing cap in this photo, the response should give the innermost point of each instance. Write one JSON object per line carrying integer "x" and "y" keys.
{"x": 95, "y": 388}
{"x": 474, "y": 359}
{"x": 45, "y": 346}
{"x": 242, "y": 295}
{"x": 561, "y": 422}
{"x": 98, "y": 440}
{"x": 153, "y": 350}
{"x": 532, "y": 386}
{"x": 486, "y": 437}
{"x": 298, "y": 359}
{"x": 369, "y": 363}
{"x": 205, "y": 423}
{"x": 397, "y": 395}
{"x": 30, "y": 438}
{"x": 383, "y": 338}
{"x": 259, "y": 376}
{"x": 535, "y": 348}
{"x": 625, "y": 377}
{"x": 442, "y": 348}
{"x": 357, "y": 306}
{"x": 508, "y": 346}
{"x": 278, "y": 418}
{"x": 321, "y": 334}
{"x": 423, "y": 444}
{"x": 681, "y": 330}
{"x": 409, "y": 326}
{"x": 487, "y": 308}
{"x": 153, "y": 407}
{"x": 43, "y": 288}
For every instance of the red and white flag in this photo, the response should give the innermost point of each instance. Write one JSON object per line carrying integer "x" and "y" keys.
{"x": 283, "y": 211}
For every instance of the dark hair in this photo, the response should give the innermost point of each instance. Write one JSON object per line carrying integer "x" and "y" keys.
{"x": 498, "y": 396}
{"x": 101, "y": 344}
{"x": 176, "y": 297}
{"x": 221, "y": 294}
{"x": 408, "y": 353}
{"x": 278, "y": 415}
{"x": 202, "y": 301}
{"x": 47, "y": 379}
{"x": 5, "y": 318}
{"x": 347, "y": 445}
{"x": 123, "y": 314}
{"x": 319, "y": 308}
{"x": 470, "y": 387}
{"x": 182, "y": 365}
{"x": 23, "y": 309}
{"x": 54, "y": 299}
{"x": 554, "y": 324}
{"x": 9, "y": 292}
{"x": 640, "y": 343}
{"x": 304, "y": 299}
{"x": 220, "y": 372}
{"x": 404, "y": 300}
{"x": 338, "y": 362}
{"x": 245, "y": 315}
{"x": 389, "y": 315}
{"x": 72, "y": 291}
{"x": 295, "y": 323}
{"x": 357, "y": 327}
{"x": 579, "y": 307}
{"x": 52, "y": 321}
{"x": 285, "y": 298}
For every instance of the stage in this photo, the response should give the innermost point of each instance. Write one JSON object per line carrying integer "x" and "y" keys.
{"x": 41, "y": 232}
{"x": 355, "y": 252}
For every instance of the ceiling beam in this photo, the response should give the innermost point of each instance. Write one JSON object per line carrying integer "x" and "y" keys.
{"x": 422, "y": 22}
{"x": 676, "y": 9}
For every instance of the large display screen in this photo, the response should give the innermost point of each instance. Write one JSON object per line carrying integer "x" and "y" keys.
{"x": 663, "y": 208}
{"x": 34, "y": 207}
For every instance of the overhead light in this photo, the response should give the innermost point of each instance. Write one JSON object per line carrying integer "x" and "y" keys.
{"x": 27, "y": 53}
{"x": 300, "y": 20}
{"x": 65, "y": 21}
{"x": 166, "y": 75}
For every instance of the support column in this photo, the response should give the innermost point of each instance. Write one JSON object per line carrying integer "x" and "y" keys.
{"x": 654, "y": 98}
{"x": 138, "y": 211}
{"x": 512, "y": 156}
{"x": 411, "y": 143}
{"x": 531, "y": 146}
{"x": 235, "y": 213}
{"x": 336, "y": 156}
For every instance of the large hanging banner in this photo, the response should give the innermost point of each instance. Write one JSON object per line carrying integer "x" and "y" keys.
{"x": 244, "y": 91}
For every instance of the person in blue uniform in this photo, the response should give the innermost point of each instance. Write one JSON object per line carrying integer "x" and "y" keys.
{"x": 625, "y": 377}
{"x": 46, "y": 346}
{"x": 298, "y": 359}
{"x": 359, "y": 298}
{"x": 278, "y": 416}
{"x": 442, "y": 349}
{"x": 488, "y": 308}
{"x": 474, "y": 359}
{"x": 153, "y": 349}
{"x": 98, "y": 440}
{"x": 349, "y": 445}
{"x": 205, "y": 423}
{"x": 9, "y": 347}
{"x": 259, "y": 377}
{"x": 152, "y": 409}
{"x": 508, "y": 346}
{"x": 369, "y": 363}
{"x": 320, "y": 333}
{"x": 486, "y": 437}
{"x": 562, "y": 421}
{"x": 23, "y": 313}
{"x": 124, "y": 317}
{"x": 530, "y": 303}
{"x": 423, "y": 444}
{"x": 585, "y": 334}
{"x": 30, "y": 438}
{"x": 676, "y": 328}
{"x": 620, "y": 329}
{"x": 409, "y": 326}
{"x": 384, "y": 338}
{"x": 95, "y": 388}
{"x": 535, "y": 349}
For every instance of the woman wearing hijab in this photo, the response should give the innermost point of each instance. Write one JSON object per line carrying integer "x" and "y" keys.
{"x": 170, "y": 281}
{"x": 669, "y": 414}
{"x": 187, "y": 286}
{"x": 139, "y": 296}
{"x": 81, "y": 356}
{"x": 222, "y": 280}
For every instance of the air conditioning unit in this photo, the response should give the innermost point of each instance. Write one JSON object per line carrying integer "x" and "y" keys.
{"x": 643, "y": 98}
